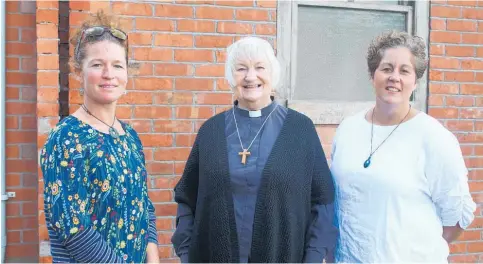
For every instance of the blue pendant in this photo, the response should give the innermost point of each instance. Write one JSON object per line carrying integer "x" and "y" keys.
{"x": 367, "y": 162}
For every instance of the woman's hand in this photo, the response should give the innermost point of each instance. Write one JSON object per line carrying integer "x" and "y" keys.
{"x": 152, "y": 255}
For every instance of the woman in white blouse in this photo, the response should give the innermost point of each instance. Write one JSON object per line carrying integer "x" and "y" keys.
{"x": 401, "y": 183}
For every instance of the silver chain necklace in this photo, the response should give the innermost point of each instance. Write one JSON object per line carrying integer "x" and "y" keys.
{"x": 112, "y": 131}
{"x": 245, "y": 152}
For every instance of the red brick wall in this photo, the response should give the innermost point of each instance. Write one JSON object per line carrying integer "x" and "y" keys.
{"x": 21, "y": 125}
{"x": 180, "y": 46}
{"x": 455, "y": 98}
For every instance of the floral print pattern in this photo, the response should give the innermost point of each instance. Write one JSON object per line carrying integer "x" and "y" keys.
{"x": 93, "y": 180}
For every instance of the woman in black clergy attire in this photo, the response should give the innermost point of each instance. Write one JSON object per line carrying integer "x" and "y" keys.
{"x": 256, "y": 186}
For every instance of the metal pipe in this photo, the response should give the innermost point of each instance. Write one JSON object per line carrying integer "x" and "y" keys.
{"x": 3, "y": 90}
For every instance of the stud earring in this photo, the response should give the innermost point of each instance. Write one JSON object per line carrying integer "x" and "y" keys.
{"x": 81, "y": 91}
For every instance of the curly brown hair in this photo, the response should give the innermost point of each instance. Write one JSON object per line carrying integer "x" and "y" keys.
{"x": 394, "y": 39}
{"x": 98, "y": 19}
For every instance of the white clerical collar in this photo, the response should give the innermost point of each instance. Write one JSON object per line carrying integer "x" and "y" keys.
{"x": 257, "y": 113}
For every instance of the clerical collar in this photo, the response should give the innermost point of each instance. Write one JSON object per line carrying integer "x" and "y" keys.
{"x": 258, "y": 113}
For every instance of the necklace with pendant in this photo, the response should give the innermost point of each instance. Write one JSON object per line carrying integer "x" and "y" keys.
{"x": 367, "y": 163}
{"x": 112, "y": 131}
{"x": 245, "y": 151}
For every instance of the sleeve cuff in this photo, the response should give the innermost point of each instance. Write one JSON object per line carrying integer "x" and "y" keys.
{"x": 463, "y": 212}
{"x": 184, "y": 258}
{"x": 313, "y": 256}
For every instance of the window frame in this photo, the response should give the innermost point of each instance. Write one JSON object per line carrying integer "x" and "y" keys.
{"x": 329, "y": 111}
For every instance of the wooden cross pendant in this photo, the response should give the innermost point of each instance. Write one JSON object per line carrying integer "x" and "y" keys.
{"x": 244, "y": 155}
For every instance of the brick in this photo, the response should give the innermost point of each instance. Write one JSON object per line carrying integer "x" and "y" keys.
{"x": 252, "y": 14}
{"x": 13, "y": 64}
{"x": 19, "y": 250}
{"x": 80, "y": 5}
{"x": 444, "y": 37}
{"x": 156, "y": 140}
{"x": 18, "y": 108}
{"x": 445, "y": 11}
{"x": 462, "y": 2}
{"x": 28, "y": 122}
{"x": 13, "y": 209}
{"x": 13, "y": 179}
{"x": 444, "y": 63}
{"x": 436, "y": 75}
{"x": 20, "y": 78}
{"x": 173, "y": 126}
{"x": 12, "y": 93}
{"x": 12, "y": 6}
{"x": 28, "y": 35}
{"x": 443, "y": 113}
{"x": 154, "y": 24}
{"x": 472, "y": 65}
{"x": 435, "y": 100}
{"x": 206, "y": 41}
{"x": 220, "y": 56}
{"x": 132, "y": 9}
{"x": 12, "y": 34}
{"x": 165, "y": 210}
{"x": 179, "y": 167}
{"x": 463, "y": 101}
{"x": 77, "y": 18}
{"x": 47, "y": 16}
{"x": 222, "y": 85}
{"x": 475, "y": 247}
{"x": 460, "y": 51}
{"x": 20, "y": 20}
{"x": 436, "y": 50}
{"x": 234, "y": 28}
{"x": 471, "y": 113}
{"x": 47, "y": 46}
{"x": 161, "y": 196}
{"x": 165, "y": 252}
{"x": 480, "y": 26}
{"x": 195, "y": 2}
{"x": 140, "y": 38}
{"x": 28, "y": 64}
{"x": 48, "y": 62}
{"x": 12, "y": 151}
{"x": 461, "y": 25}
{"x": 153, "y": 54}
{"x": 14, "y": 137}
{"x": 266, "y": 3}
{"x": 173, "y": 40}
{"x": 475, "y": 38}
{"x": 48, "y": 95}
{"x": 187, "y": 55}
{"x": 47, "y": 109}
{"x": 185, "y": 140}
{"x": 45, "y": 78}
{"x": 193, "y": 84}
{"x": 176, "y": 98}
{"x": 266, "y": 29}
{"x": 476, "y": 89}
{"x": 210, "y": 70}
{"x": 47, "y": 31}
{"x": 459, "y": 125}
{"x": 239, "y": 3}
{"x": 172, "y": 153}
{"x": 173, "y": 69}
{"x": 208, "y": 12}
{"x": 14, "y": 237}
{"x": 472, "y": 13}
{"x": 437, "y": 24}
{"x": 174, "y": 11}
{"x": 479, "y": 76}
{"x": 152, "y": 112}
{"x": 153, "y": 84}
{"x": 164, "y": 224}
{"x": 213, "y": 98}
{"x": 145, "y": 69}
{"x": 463, "y": 259}
{"x": 133, "y": 97}
{"x": 30, "y": 236}
{"x": 28, "y": 94}
{"x": 188, "y": 112}
{"x": 158, "y": 168}
{"x": 24, "y": 49}
{"x": 459, "y": 76}
{"x": 196, "y": 26}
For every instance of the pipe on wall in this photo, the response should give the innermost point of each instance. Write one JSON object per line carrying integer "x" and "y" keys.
{"x": 3, "y": 88}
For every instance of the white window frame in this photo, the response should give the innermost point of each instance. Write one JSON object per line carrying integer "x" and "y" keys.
{"x": 332, "y": 112}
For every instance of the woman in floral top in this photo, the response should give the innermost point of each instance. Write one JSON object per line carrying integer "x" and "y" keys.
{"x": 97, "y": 207}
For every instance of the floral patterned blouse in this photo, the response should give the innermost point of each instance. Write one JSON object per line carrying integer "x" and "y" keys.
{"x": 96, "y": 200}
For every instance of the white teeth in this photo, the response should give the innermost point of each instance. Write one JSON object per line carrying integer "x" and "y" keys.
{"x": 392, "y": 89}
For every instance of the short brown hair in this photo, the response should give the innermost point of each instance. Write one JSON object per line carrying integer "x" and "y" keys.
{"x": 394, "y": 39}
{"x": 98, "y": 19}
